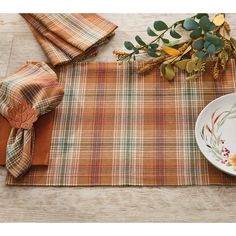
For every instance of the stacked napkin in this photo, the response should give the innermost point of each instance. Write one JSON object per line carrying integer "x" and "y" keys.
{"x": 67, "y": 37}
{"x": 24, "y": 96}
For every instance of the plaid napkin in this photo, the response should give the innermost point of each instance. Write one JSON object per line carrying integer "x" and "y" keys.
{"x": 32, "y": 91}
{"x": 67, "y": 37}
{"x": 116, "y": 127}
{"x": 43, "y": 134}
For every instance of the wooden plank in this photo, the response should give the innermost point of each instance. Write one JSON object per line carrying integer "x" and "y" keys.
{"x": 13, "y": 23}
{"x": 24, "y": 48}
{"x": 107, "y": 204}
{"x": 5, "y": 51}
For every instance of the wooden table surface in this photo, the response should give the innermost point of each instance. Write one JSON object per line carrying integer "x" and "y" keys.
{"x": 104, "y": 204}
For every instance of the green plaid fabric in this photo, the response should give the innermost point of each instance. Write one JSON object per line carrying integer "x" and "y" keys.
{"x": 115, "y": 127}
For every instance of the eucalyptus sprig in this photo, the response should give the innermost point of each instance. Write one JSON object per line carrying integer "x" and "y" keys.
{"x": 208, "y": 40}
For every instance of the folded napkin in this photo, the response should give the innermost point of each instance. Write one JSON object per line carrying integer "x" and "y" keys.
{"x": 43, "y": 135}
{"x": 67, "y": 37}
{"x": 24, "y": 96}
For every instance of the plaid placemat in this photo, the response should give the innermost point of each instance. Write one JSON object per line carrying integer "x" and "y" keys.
{"x": 67, "y": 37}
{"x": 115, "y": 127}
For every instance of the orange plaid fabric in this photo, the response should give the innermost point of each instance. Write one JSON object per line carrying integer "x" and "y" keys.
{"x": 116, "y": 127}
{"x": 67, "y": 37}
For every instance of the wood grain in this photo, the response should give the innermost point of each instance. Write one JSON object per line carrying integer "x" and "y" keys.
{"x": 104, "y": 204}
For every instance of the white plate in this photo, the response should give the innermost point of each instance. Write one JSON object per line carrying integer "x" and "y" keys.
{"x": 215, "y": 132}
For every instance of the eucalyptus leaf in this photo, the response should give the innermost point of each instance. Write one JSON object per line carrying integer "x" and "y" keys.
{"x": 206, "y": 44}
{"x": 205, "y": 23}
{"x": 175, "y": 35}
{"x": 212, "y": 26}
{"x": 220, "y": 45}
{"x": 160, "y": 25}
{"x": 200, "y": 15}
{"x": 190, "y": 24}
{"x": 214, "y": 39}
{"x": 128, "y": 45}
{"x": 150, "y": 32}
{"x": 211, "y": 49}
{"x": 152, "y": 53}
{"x": 198, "y": 44}
{"x": 169, "y": 72}
{"x": 140, "y": 41}
{"x": 196, "y": 33}
{"x": 201, "y": 54}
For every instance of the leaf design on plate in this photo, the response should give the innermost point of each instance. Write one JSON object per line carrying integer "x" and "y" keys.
{"x": 22, "y": 115}
{"x": 212, "y": 136}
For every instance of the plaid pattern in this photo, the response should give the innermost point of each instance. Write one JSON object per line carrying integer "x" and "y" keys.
{"x": 36, "y": 84}
{"x": 67, "y": 37}
{"x": 115, "y": 127}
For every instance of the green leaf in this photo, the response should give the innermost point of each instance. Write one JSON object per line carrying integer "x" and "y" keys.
{"x": 173, "y": 43}
{"x": 140, "y": 41}
{"x": 151, "y": 53}
{"x": 160, "y": 25}
{"x": 154, "y": 45}
{"x": 164, "y": 40}
{"x": 128, "y": 45}
{"x": 206, "y": 44}
{"x": 200, "y": 15}
{"x": 214, "y": 39}
{"x": 150, "y": 32}
{"x": 206, "y": 24}
{"x": 220, "y": 45}
{"x": 169, "y": 72}
{"x": 182, "y": 64}
{"x": 212, "y": 26}
{"x": 136, "y": 51}
{"x": 162, "y": 69}
{"x": 201, "y": 54}
{"x": 196, "y": 33}
{"x": 190, "y": 24}
{"x": 190, "y": 66}
{"x": 211, "y": 49}
{"x": 175, "y": 35}
{"x": 198, "y": 44}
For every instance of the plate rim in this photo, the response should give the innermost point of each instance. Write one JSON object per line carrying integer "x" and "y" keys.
{"x": 197, "y": 136}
